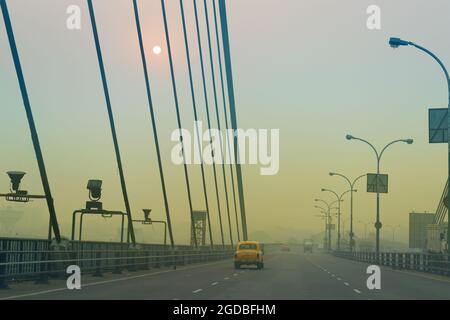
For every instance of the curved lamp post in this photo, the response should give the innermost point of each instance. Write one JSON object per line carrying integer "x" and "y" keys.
{"x": 352, "y": 189}
{"x": 395, "y": 227}
{"x": 325, "y": 217}
{"x": 397, "y": 42}
{"x": 339, "y": 200}
{"x": 378, "y": 156}
{"x": 328, "y": 209}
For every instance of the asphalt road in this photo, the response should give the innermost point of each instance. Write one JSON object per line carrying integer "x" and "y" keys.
{"x": 287, "y": 275}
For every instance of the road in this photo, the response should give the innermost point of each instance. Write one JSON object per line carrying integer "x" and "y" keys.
{"x": 287, "y": 275}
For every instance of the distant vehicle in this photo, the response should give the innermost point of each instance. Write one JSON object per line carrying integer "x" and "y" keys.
{"x": 249, "y": 253}
{"x": 285, "y": 247}
{"x": 308, "y": 246}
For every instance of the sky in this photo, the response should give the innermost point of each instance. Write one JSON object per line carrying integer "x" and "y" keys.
{"x": 311, "y": 69}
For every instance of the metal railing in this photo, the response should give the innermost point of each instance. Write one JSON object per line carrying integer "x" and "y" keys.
{"x": 28, "y": 259}
{"x": 437, "y": 263}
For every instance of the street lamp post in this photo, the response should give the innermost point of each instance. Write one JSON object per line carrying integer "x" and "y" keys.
{"x": 397, "y": 42}
{"x": 365, "y": 228}
{"x": 378, "y": 155}
{"x": 323, "y": 216}
{"x": 352, "y": 185}
{"x": 328, "y": 222}
{"x": 393, "y": 231}
{"x": 339, "y": 200}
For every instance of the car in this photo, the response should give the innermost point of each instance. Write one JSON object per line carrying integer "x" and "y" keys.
{"x": 308, "y": 246}
{"x": 249, "y": 253}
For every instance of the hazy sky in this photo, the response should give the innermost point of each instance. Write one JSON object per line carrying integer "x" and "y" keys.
{"x": 310, "y": 68}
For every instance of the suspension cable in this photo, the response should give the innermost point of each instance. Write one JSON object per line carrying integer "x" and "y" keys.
{"x": 153, "y": 122}
{"x": 111, "y": 121}
{"x": 194, "y": 107}
{"x": 232, "y": 105}
{"x": 177, "y": 108}
{"x": 213, "y": 76}
{"x": 31, "y": 124}
{"x": 208, "y": 115}
{"x": 226, "y": 117}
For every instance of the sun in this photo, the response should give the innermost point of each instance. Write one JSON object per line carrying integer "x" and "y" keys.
{"x": 157, "y": 50}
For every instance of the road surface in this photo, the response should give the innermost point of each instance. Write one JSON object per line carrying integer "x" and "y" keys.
{"x": 287, "y": 275}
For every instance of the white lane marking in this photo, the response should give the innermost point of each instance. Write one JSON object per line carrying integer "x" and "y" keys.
{"x": 235, "y": 274}
{"x": 346, "y": 283}
{"x": 214, "y": 283}
{"x": 357, "y": 291}
{"x": 226, "y": 278}
{"x": 333, "y": 275}
{"x": 197, "y": 291}
{"x": 109, "y": 281}
{"x": 338, "y": 279}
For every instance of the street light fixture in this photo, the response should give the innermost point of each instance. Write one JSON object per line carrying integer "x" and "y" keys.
{"x": 17, "y": 195}
{"x": 352, "y": 186}
{"x": 378, "y": 155}
{"x": 325, "y": 217}
{"x": 393, "y": 231}
{"x": 328, "y": 205}
{"x": 395, "y": 43}
{"x": 149, "y": 221}
{"x": 339, "y": 200}
{"x": 16, "y": 178}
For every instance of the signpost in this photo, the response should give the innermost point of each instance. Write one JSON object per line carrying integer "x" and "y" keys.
{"x": 437, "y": 125}
{"x": 377, "y": 183}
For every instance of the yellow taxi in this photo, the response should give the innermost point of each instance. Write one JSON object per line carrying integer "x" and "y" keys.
{"x": 249, "y": 253}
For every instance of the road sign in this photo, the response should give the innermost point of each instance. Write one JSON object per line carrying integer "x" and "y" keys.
{"x": 377, "y": 183}
{"x": 437, "y": 125}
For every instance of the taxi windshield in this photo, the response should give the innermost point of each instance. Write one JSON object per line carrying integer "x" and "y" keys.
{"x": 247, "y": 246}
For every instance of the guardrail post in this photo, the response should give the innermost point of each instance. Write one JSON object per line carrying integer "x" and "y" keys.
{"x": 98, "y": 268}
{"x": 117, "y": 262}
{"x": 156, "y": 258}
{"x": 43, "y": 268}
{"x": 145, "y": 264}
{"x": 3, "y": 284}
{"x": 131, "y": 261}
{"x": 447, "y": 266}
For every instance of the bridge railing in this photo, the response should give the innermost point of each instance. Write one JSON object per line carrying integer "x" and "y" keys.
{"x": 22, "y": 259}
{"x": 436, "y": 263}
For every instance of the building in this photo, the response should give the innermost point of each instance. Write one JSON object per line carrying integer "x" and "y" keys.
{"x": 418, "y": 223}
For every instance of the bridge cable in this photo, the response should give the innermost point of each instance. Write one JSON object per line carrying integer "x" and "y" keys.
{"x": 31, "y": 124}
{"x": 208, "y": 115}
{"x": 111, "y": 121}
{"x": 194, "y": 107}
{"x": 177, "y": 108}
{"x": 213, "y": 76}
{"x": 232, "y": 105}
{"x": 226, "y": 118}
{"x": 153, "y": 122}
